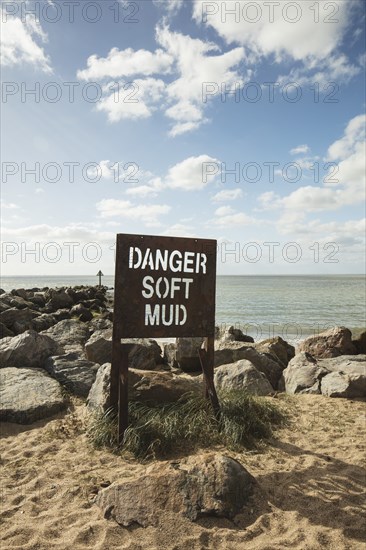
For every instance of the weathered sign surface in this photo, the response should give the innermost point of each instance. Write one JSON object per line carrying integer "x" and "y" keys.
{"x": 164, "y": 287}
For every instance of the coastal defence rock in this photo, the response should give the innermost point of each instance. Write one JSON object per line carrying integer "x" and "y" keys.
{"x": 230, "y": 352}
{"x": 183, "y": 354}
{"x": 27, "y": 350}
{"x": 77, "y": 375}
{"x": 28, "y": 395}
{"x": 231, "y": 334}
{"x": 346, "y": 378}
{"x": 198, "y": 486}
{"x": 331, "y": 343}
{"x": 280, "y": 350}
{"x": 145, "y": 386}
{"x": 360, "y": 342}
{"x": 242, "y": 375}
{"x": 343, "y": 376}
{"x": 145, "y": 354}
{"x": 70, "y": 334}
{"x": 58, "y": 299}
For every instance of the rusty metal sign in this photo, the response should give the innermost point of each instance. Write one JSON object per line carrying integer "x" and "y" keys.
{"x": 164, "y": 287}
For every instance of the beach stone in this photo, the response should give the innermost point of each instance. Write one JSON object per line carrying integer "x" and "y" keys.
{"x": 81, "y": 312}
{"x": 43, "y": 322}
{"x": 331, "y": 343}
{"x": 346, "y": 378}
{"x": 4, "y": 331}
{"x": 58, "y": 299}
{"x": 61, "y": 315}
{"x": 204, "y": 485}
{"x": 28, "y": 395}
{"x": 145, "y": 354}
{"x": 21, "y": 316}
{"x": 360, "y": 342}
{"x": 242, "y": 375}
{"x": 303, "y": 375}
{"x": 26, "y": 350}
{"x": 38, "y": 299}
{"x": 231, "y": 334}
{"x": 186, "y": 354}
{"x": 144, "y": 386}
{"x": 278, "y": 349}
{"x": 77, "y": 375}
{"x": 98, "y": 399}
{"x": 230, "y": 352}
{"x": 70, "y": 334}
{"x": 98, "y": 323}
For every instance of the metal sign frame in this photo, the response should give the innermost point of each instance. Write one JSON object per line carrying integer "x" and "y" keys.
{"x": 164, "y": 287}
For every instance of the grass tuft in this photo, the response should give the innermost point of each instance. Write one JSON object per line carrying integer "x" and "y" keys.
{"x": 155, "y": 430}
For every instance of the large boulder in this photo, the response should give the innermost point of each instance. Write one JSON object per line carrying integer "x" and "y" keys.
{"x": 280, "y": 350}
{"x": 303, "y": 375}
{"x": 28, "y": 395}
{"x": 81, "y": 312}
{"x": 184, "y": 354}
{"x": 331, "y": 343}
{"x": 14, "y": 318}
{"x": 231, "y": 334}
{"x": 99, "y": 347}
{"x": 70, "y": 334}
{"x": 146, "y": 386}
{"x": 43, "y": 322}
{"x": 145, "y": 354}
{"x": 4, "y": 331}
{"x": 230, "y": 352}
{"x": 346, "y": 378}
{"x": 206, "y": 485}
{"x": 29, "y": 349}
{"x": 359, "y": 342}
{"x": 343, "y": 376}
{"x": 58, "y": 299}
{"x": 77, "y": 375}
{"x": 242, "y": 375}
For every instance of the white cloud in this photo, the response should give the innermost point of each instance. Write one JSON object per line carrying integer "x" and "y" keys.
{"x": 18, "y": 42}
{"x": 142, "y": 191}
{"x": 224, "y": 211}
{"x": 300, "y": 150}
{"x": 344, "y": 184}
{"x": 137, "y": 100}
{"x": 145, "y": 213}
{"x": 227, "y": 195}
{"x": 73, "y": 232}
{"x": 277, "y": 35}
{"x": 126, "y": 63}
{"x": 8, "y": 205}
{"x": 183, "y": 64}
{"x": 179, "y": 230}
{"x": 189, "y": 174}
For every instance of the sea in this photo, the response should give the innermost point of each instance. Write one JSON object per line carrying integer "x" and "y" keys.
{"x": 293, "y": 307}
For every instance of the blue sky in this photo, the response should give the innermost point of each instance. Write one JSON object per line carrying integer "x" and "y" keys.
{"x": 132, "y": 129}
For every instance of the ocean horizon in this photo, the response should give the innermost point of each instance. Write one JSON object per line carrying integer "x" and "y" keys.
{"x": 262, "y": 306}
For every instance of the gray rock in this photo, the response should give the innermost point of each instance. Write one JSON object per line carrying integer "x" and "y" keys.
{"x": 303, "y": 375}
{"x": 331, "y": 343}
{"x": 77, "y": 375}
{"x": 232, "y": 334}
{"x": 5, "y": 332}
{"x": 58, "y": 299}
{"x": 145, "y": 386}
{"x": 359, "y": 342}
{"x": 145, "y": 354}
{"x": 20, "y": 316}
{"x": 186, "y": 354}
{"x": 206, "y": 485}
{"x": 346, "y": 378}
{"x": 43, "y": 322}
{"x": 28, "y": 395}
{"x": 70, "y": 334}
{"x": 81, "y": 312}
{"x": 99, "y": 398}
{"x": 99, "y": 324}
{"x": 242, "y": 375}
{"x": 278, "y": 349}
{"x": 99, "y": 347}
{"x": 29, "y": 349}
{"x": 230, "y": 352}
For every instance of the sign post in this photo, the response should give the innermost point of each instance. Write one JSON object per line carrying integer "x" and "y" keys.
{"x": 164, "y": 287}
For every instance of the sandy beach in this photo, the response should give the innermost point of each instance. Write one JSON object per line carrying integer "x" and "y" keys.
{"x": 309, "y": 492}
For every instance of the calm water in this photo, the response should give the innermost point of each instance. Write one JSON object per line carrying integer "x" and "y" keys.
{"x": 263, "y": 306}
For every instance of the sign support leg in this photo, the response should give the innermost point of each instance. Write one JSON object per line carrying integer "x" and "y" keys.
{"x": 207, "y": 363}
{"x": 123, "y": 393}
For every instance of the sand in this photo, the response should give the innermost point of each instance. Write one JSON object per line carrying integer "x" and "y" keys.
{"x": 310, "y": 492}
